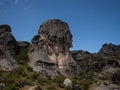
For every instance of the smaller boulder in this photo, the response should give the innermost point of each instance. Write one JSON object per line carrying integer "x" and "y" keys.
{"x": 68, "y": 83}
{"x": 1, "y": 85}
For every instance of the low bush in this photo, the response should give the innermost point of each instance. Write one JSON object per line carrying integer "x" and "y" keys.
{"x": 29, "y": 68}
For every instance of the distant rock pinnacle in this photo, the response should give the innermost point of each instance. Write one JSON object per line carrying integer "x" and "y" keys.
{"x": 7, "y": 49}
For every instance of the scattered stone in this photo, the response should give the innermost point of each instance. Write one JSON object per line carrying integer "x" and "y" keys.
{"x": 2, "y": 85}
{"x": 68, "y": 83}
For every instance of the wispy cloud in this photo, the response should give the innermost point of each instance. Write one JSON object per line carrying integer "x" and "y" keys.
{"x": 27, "y": 1}
{"x": 25, "y": 8}
{"x": 16, "y": 1}
{"x": 26, "y": 5}
{"x": 1, "y": 3}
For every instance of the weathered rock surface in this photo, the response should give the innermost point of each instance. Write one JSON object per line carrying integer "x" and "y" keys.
{"x": 110, "y": 49}
{"x": 83, "y": 59}
{"x": 106, "y": 61}
{"x": 7, "y": 49}
{"x": 49, "y": 52}
{"x": 23, "y": 44}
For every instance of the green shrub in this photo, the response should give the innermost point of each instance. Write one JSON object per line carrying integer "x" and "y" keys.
{"x": 68, "y": 88}
{"x": 35, "y": 75}
{"x": 20, "y": 82}
{"x": 58, "y": 79}
{"x": 42, "y": 80}
{"x": 51, "y": 87}
{"x": 22, "y": 56}
{"x": 29, "y": 82}
{"x": 21, "y": 71}
{"x": 29, "y": 68}
{"x": 83, "y": 85}
{"x": 103, "y": 76}
{"x": 116, "y": 77}
{"x": 38, "y": 87}
{"x": 10, "y": 87}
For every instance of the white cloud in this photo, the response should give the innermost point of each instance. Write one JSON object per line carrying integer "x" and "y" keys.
{"x": 16, "y": 1}
{"x": 27, "y": 1}
{"x": 25, "y": 8}
{"x": 1, "y": 3}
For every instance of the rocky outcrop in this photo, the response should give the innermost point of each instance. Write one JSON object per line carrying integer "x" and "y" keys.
{"x": 105, "y": 65}
{"x": 49, "y": 52}
{"x": 8, "y": 46}
{"x": 83, "y": 59}
{"x": 110, "y": 49}
{"x": 106, "y": 61}
{"x": 23, "y": 44}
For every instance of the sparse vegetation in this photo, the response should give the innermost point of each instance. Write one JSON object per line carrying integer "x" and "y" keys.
{"x": 22, "y": 57}
{"x": 25, "y": 76}
{"x": 116, "y": 77}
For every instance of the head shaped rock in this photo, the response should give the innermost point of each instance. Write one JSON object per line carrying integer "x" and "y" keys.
{"x": 51, "y": 46}
{"x": 57, "y": 35}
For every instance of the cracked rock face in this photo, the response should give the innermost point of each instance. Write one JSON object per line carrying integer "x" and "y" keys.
{"x": 49, "y": 52}
{"x": 7, "y": 49}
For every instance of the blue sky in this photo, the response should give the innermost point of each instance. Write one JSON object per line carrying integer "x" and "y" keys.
{"x": 92, "y": 22}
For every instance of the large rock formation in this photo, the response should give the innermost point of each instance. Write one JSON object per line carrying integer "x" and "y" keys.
{"x": 110, "y": 49}
{"x": 83, "y": 58}
{"x": 7, "y": 49}
{"x": 49, "y": 52}
{"x": 23, "y": 45}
